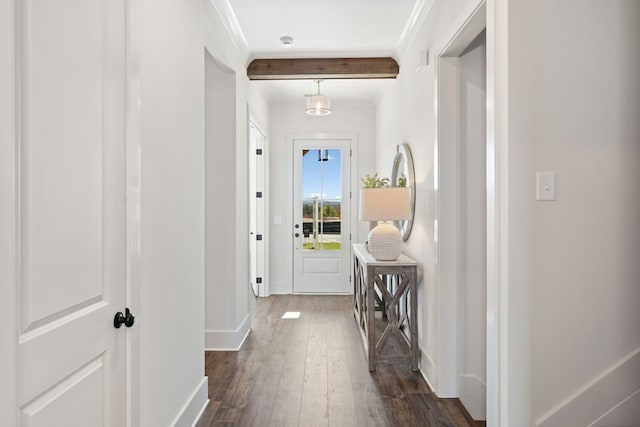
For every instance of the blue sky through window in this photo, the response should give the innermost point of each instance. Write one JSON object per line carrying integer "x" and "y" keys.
{"x": 321, "y": 179}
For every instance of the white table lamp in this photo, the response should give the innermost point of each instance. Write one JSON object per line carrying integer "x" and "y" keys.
{"x": 385, "y": 204}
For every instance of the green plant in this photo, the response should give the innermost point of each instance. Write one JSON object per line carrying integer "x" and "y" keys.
{"x": 402, "y": 181}
{"x": 374, "y": 181}
{"x": 329, "y": 211}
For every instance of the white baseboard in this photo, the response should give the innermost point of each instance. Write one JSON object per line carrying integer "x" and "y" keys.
{"x": 473, "y": 395}
{"x": 599, "y": 397}
{"x": 427, "y": 368}
{"x": 227, "y": 340}
{"x": 193, "y": 409}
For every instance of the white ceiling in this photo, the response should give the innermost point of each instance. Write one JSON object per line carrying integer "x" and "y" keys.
{"x": 321, "y": 28}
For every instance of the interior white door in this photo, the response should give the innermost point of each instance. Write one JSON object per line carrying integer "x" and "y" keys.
{"x": 70, "y": 186}
{"x": 257, "y": 210}
{"x": 321, "y": 215}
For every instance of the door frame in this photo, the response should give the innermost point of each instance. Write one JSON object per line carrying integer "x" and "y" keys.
{"x": 492, "y": 15}
{"x": 353, "y": 137}
{"x": 263, "y": 288}
{"x": 8, "y": 218}
{"x": 463, "y": 32}
{"x": 452, "y": 172}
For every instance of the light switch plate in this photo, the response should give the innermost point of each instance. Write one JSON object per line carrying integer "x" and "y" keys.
{"x": 277, "y": 219}
{"x": 545, "y": 186}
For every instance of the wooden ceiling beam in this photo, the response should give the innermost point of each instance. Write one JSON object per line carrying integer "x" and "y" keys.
{"x": 323, "y": 68}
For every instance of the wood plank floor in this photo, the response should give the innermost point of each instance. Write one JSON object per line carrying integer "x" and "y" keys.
{"x": 312, "y": 371}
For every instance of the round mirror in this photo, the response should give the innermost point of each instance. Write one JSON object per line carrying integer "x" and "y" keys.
{"x": 402, "y": 175}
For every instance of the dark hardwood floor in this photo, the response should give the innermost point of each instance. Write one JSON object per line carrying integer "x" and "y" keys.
{"x": 312, "y": 371}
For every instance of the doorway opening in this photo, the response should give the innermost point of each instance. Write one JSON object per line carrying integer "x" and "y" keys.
{"x": 321, "y": 215}
{"x": 462, "y": 158}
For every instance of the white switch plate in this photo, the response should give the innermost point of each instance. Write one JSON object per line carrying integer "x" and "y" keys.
{"x": 545, "y": 185}
{"x": 277, "y": 219}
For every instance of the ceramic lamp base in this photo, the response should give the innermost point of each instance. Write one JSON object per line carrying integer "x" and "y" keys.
{"x": 385, "y": 242}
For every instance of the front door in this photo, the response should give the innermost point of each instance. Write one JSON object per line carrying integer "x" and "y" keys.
{"x": 70, "y": 241}
{"x": 321, "y": 215}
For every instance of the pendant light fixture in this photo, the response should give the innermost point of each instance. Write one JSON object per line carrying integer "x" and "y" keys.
{"x": 318, "y": 104}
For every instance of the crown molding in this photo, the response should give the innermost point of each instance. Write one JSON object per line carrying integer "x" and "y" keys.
{"x": 230, "y": 22}
{"x": 411, "y": 28}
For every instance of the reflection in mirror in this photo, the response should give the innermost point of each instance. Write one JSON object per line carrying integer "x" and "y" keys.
{"x": 402, "y": 175}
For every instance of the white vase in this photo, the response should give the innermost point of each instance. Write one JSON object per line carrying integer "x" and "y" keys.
{"x": 385, "y": 242}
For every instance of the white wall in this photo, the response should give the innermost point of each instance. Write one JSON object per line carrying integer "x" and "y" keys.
{"x": 569, "y": 268}
{"x": 287, "y": 119}
{"x": 220, "y": 195}
{"x": 170, "y": 319}
{"x": 227, "y": 309}
{"x": 574, "y": 106}
{"x": 406, "y": 113}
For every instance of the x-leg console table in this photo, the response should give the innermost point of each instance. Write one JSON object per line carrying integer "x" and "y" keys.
{"x": 389, "y": 286}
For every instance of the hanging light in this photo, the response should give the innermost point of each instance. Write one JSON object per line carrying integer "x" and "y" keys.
{"x": 318, "y": 104}
{"x": 323, "y": 155}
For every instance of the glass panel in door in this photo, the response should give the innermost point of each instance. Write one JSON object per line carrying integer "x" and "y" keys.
{"x": 322, "y": 199}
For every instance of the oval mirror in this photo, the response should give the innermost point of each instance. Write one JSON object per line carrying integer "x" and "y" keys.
{"x": 402, "y": 175}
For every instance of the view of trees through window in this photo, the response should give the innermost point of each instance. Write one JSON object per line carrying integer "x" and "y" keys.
{"x": 322, "y": 199}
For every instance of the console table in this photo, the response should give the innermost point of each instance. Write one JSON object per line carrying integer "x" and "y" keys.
{"x": 390, "y": 287}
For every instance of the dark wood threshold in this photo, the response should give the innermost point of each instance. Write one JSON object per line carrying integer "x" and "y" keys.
{"x": 466, "y": 414}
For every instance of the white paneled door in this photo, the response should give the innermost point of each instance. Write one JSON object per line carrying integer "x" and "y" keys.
{"x": 70, "y": 237}
{"x": 321, "y": 215}
{"x": 257, "y": 211}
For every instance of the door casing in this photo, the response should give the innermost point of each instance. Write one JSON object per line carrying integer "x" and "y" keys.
{"x": 353, "y": 138}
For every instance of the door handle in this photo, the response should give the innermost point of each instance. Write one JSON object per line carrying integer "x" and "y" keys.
{"x": 128, "y": 319}
{"x": 297, "y": 234}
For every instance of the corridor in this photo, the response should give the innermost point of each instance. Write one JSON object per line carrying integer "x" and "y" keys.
{"x": 312, "y": 371}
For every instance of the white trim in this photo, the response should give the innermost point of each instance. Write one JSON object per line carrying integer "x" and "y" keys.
{"x": 598, "y": 397}
{"x": 220, "y": 340}
{"x": 466, "y": 27}
{"x": 133, "y": 210}
{"x": 230, "y": 22}
{"x": 354, "y": 185}
{"x": 8, "y": 216}
{"x": 427, "y": 364}
{"x": 497, "y": 211}
{"x": 473, "y": 395}
{"x": 417, "y": 17}
{"x": 426, "y": 378}
{"x": 194, "y": 407}
{"x": 446, "y": 291}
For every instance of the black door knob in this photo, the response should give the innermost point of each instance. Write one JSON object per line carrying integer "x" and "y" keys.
{"x": 297, "y": 234}
{"x": 128, "y": 319}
